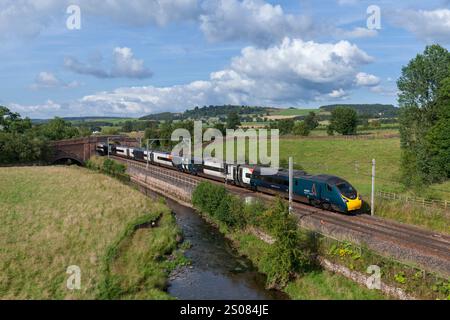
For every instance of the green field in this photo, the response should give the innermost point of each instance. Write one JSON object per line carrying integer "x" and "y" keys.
{"x": 352, "y": 160}
{"x": 293, "y": 112}
{"x": 55, "y": 217}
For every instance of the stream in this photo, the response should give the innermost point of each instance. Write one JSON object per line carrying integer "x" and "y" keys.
{"x": 217, "y": 271}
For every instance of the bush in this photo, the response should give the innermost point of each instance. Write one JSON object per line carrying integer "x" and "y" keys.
{"x": 215, "y": 201}
{"x": 344, "y": 120}
{"x": 285, "y": 257}
{"x": 301, "y": 129}
{"x": 108, "y": 166}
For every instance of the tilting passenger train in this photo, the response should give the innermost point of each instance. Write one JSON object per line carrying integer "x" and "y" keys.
{"x": 323, "y": 191}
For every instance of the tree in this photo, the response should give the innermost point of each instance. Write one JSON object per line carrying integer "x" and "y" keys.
{"x": 233, "y": 121}
{"x": 344, "y": 120}
{"x": 128, "y": 126}
{"x": 286, "y": 126}
{"x": 311, "y": 121}
{"x": 13, "y": 122}
{"x": 301, "y": 129}
{"x": 58, "y": 129}
{"x": 420, "y": 112}
{"x": 221, "y": 127}
{"x": 438, "y": 137}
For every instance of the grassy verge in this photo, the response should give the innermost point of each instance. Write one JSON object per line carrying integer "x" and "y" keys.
{"x": 56, "y": 217}
{"x": 430, "y": 218}
{"x": 312, "y": 285}
{"x": 289, "y": 262}
{"x": 413, "y": 281}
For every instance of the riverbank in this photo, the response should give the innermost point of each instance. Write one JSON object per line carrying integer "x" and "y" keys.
{"x": 57, "y": 217}
{"x": 317, "y": 284}
{"x": 297, "y": 260}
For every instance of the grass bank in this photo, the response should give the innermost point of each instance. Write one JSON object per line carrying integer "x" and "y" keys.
{"x": 351, "y": 160}
{"x": 270, "y": 237}
{"x": 288, "y": 262}
{"x": 56, "y": 217}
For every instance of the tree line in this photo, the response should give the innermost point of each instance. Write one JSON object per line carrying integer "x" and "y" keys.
{"x": 23, "y": 142}
{"x": 424, "y": 101}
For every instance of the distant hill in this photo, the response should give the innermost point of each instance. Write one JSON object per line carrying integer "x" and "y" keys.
{"x": 368, "y": 110}
{"x": 208, "y": 112}
{"x": 163, "y": 116}
{"x": 82, "y": 119}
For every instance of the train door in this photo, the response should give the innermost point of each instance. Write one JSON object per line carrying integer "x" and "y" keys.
{"x": 231, "y": 173}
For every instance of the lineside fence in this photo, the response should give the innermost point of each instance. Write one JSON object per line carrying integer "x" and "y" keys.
{"x": 170, "y": 176}
{"x": 441, "y": 204}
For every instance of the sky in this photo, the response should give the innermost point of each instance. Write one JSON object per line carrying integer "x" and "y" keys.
{"x": 137, "y": 57}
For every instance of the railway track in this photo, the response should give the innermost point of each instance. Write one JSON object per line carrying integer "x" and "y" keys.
{"x": 426, "y": 249}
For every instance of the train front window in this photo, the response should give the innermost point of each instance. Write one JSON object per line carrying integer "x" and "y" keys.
{"x": 347, "y": 190}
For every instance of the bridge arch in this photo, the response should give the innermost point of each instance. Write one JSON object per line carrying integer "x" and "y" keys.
{"x": 62, "y": 157}
{"x": 78, "y": 151}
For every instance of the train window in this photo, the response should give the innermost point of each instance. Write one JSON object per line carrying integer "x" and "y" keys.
{"x": 347, "y": 190}
{"x": 248, "y": 175}
{"x": 213, "y": 169}
{"x": 329, "y": 188}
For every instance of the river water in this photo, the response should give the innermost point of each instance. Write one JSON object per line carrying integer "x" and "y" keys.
{"x": 217, "y": 271}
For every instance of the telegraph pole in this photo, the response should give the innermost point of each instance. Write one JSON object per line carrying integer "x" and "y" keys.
{"x": 372, "y": 205}
{"x": 291, "y": 183}
{"x": 148, "y": 155}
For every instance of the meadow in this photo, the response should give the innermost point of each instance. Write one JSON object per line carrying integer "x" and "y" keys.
{"x": 55, "y": 217}
{"x": 293, "y": 112}
{"x": 351, "y": 159}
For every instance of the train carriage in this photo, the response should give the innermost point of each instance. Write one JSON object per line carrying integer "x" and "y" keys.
{"x": 324, "y": 191}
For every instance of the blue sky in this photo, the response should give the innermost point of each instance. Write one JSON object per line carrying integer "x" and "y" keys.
{"x": 136, "y": 57}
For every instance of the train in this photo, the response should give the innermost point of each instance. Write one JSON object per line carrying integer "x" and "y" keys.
{"x": 323, "y": 191}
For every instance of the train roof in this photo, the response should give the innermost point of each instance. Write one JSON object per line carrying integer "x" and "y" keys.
{"x": 325, "y": 178}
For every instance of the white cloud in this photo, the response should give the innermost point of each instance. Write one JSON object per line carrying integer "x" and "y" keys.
{"x": 124, "y": 66}
{"x": 289, "y": 74}
{"x": 46, "y": 80}
{"x": 430, "y": 26}
{"x": 255, "y": 21}
{"x": 338, "y": 94}
{"x": 385, "y": 91}
{"x": 252, "y": 20}
{"x": 27, "y": 18}
{"x": 355, "y": 33}
{"x": 367, "y": 80}
{"x": 40, "y": 111}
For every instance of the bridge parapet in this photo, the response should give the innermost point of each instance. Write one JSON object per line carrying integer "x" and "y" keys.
{"x": 81, "y": 149}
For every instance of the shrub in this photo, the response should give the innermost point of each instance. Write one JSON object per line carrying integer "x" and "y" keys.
{"x": 207, "y": 197}
{"x": 285, "y": 257}
{"x": 344, "y": 120}
{"x": 301, "y": 129}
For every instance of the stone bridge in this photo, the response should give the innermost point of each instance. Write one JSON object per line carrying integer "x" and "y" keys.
{"x": 78, "y": 151}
